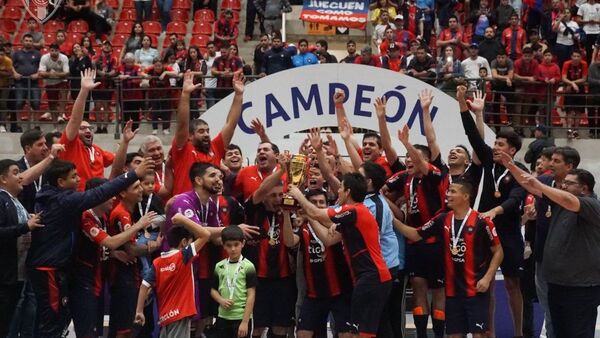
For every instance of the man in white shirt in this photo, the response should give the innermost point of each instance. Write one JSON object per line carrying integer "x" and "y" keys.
{"x": 54, "y": 69}
{"x": 210, "y": 83}
{"x": 588, "y": 16}
{"x": 473, "y": 63}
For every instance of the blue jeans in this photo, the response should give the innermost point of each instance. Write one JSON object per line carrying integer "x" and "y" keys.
{"x": 146, "y": 260}
{"x": 164, "y": 8}
{"x": 23, "y": 321}
{"x": 143, "y": 10}
{"x": 26, "y": 90}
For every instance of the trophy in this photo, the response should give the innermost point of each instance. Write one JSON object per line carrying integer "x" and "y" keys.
{"x": 296, "y": 176}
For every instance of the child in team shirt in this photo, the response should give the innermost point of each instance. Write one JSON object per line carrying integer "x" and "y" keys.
{"x": 172, "y": 278}
{"x": 234, "y": 286}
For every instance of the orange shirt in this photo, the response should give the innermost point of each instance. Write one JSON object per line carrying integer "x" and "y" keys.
{"x": 183, "y": 159}
{"x": 89, "y": 161}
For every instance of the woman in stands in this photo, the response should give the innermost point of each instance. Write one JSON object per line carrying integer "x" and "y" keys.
{"x": 146, "y": 55}
{"x": 134, "y": 42}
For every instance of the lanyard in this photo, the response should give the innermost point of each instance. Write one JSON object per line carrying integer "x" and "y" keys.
{"x": 497, "y": 181}
{"x": 147, "y": 206}
{"x": 456, "y": 236}
{"x": 260, "y": 174}
{"x": 272, "y": 230}
{"x": 203, "y": 211}
{"x": 161, "y": 178}
{"x": 92, "y": 154}
{"x": 96, "y": 218}
{"x": 411, "y": 191}
{"x": 37, "y": 184}
{"x": 231, "y": 281}
{"x": 459, "y": 176}
{"x": 217, "y": 214}
{"x": 312, "y": 232}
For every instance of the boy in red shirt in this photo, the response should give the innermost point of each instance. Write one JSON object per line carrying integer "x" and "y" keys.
{"x": 173, "y": 279}
{"x": 574, "y": 75}
{"x": 548, "y": 75}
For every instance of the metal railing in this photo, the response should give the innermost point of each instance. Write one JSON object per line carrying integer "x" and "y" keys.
{"x": 26, "y": 103}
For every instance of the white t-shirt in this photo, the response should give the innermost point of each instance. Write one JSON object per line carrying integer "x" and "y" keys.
{"x": 566, "y": 40}
{"x": 211, "y": 82}
{"x": 589, "y": 12}
{"x": 379, "y": 31}
{"x": 471, "y": 67}
{"x": 60, "y": 65}
{"x": 177, "y": 70}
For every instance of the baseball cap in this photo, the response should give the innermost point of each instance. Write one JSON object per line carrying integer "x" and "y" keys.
{"x": 542, "y": 128}
{"x": 399, "y": 17}
{"x": 474, "y": 45}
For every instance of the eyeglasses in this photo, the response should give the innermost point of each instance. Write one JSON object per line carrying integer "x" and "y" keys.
{"x": 569, "y": 183}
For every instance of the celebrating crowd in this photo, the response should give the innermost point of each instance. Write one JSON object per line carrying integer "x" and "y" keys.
{"x": 197, "y": 244}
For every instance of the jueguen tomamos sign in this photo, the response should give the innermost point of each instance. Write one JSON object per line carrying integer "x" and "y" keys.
{"x": 301, "y": 98}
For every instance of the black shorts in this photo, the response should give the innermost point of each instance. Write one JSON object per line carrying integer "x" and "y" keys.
{"x": 207, "y": 307}
{"x": 86, "y": 307}
{"x": 314, "y": 313}
{"x": 368, "y": 299}
{"x": 467, "y": 314}
{"x": 426, "y": 261}
{"x": 51, "y": 289}
{"x": 275, "y": 302}
{"x": 229, "y": 328}
{"x": 513, "y": 262}
{"x": 123, "y": 301}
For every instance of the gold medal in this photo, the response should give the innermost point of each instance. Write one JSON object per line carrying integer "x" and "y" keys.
{"x": 272, "y": 242}
{"x": 497, "y": 194}
{"x": 548, "y": 213}
{"x": 454, "y": 250}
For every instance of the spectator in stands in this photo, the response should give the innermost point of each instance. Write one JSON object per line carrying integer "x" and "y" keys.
{"x": 164, "y": 9}
{"x": 548, "y": 19}
{"x": 503, "y": 14}
{"x": 351, "y": 49}
{"x": 548, "y": 75}
{"x": 210, "y": 83}
{"x": 594, "y": 98}
{"x": 181, "y": 52}
{"x": 26, "y": 63}
{"x": 171, "y": 60}
{"x": 535, "y": 148}
{"x": 134, "y": 41}
{"x": 502, "y": 84}
{"x": 449, "y": 71}
{"x": 403, "y": 36}
{"x": 143, "y": 10}
{"x": 324, "y": 46}
{"x": 524, "y": 81}
{"x": 132, "y": 95}
{"x": 534, "y": 39}
{"x": 271, "y": 11}
{"x": 414, "y": 44}
{"x": 36, "y": 33}
{"x": 380, "y": 28}
{"x": 172, "y": 44}
{"x": 453, "y": 37}
{"x": 234, "y": 51}
{"x": 54, "y": 69}
{"x": 380, "y": 6}
{"x": 104, "y": 10}
{"x": 513, "y": 38}
{"x": 145, "y": 55}
{"x": 481, "y": 18}
{"x": 251, "y": 14}
{"x": 159, "y": 94}
{"x": 106, "y": 70}
{"x": 276, "y": 59}
{"x": 388, "y": 39}
{"x": 81, "y": 10}
{"x": 226, "y": 30}
{"x": 367, "y": 58}
{"x": 61, "y": 40}
{"x": 427, "y": 8}
{"x": 588, "y": 16}
{"x": 304, "y": 56}
{"x": 259, "y": 53}
{"x": 574, "y": 75}
{"x": 77, "y": 64}
{"x": 445, "y": 9}
{"x": 392, "y": 59}
{"x": 422, "y": 66}
{"x": 323, "y": 56}
{"x": 6, "y": 74}
{"x": 490, "y": 46}
{"x": 86, "y": 47}
{"x": 413, "y": 18}
{"x": 224, "y": 68}
{"x": 566, "y": 38}
{"x": 473, "y": 64}
{"x": 194, "y": 62}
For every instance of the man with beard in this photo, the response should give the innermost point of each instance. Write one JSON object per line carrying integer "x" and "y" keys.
{"x": 192, "y": 141}
{"x": 501, "y": 199}
{"x": 201, "y": 206}
{"x": 351, "y": 49}
{"x": 251, "y": 177}
{"x": 78, "y": 137}
{"x": 422, "y": 66}
{"x": 373, "y": 145}
{"x": 276, "y": 59}
{"x": 490, "y": 46}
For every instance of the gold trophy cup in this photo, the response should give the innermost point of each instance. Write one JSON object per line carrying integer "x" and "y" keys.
{"x": 296, "y": 177}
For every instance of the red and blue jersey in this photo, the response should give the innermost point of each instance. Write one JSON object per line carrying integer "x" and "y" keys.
{"x": 121, "y": 274}
{"x": 90, "y": 255}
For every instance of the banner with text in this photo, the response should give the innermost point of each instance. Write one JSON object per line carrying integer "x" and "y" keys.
{"x": 302, "y": 98}
{"x": 340, "y": 13}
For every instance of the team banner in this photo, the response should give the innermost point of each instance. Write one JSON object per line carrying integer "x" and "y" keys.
{"x": 300, "y": 98}
{"x": 340, "y": 13}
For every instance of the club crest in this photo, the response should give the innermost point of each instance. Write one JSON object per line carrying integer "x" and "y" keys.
{"x": 42, "y": 10}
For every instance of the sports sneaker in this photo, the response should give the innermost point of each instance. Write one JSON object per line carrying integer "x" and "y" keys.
{"x": 575, "y": 134}
{"x": 2, "y": 129}
{"x": 46, "y": 117}
{"x": 166, "y": 132}
{"x": 155, "y": 132}
{"x": 570, "y": 134}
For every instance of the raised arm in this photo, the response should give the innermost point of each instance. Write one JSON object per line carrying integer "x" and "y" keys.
{"x": 482, "y": 150}
{"x": 259, "y": 129}
{"x": 340, "y": 113}
{"x": 317, "y": 214}
{"x": 417, "y": 159}
{"x": 325, "y": 235}
{"x": 520, "y": 175}
{"x": 408, "y": 232}
{"x": 346, "y": 134}
{"x": 290, "y": 239}
{"x": 384, "y": 132}
{"x": 317, "y": 144}
{"x": 425, "y": 97}
{"x": 33, "y": 173}
{"x": 121, "y": 155}
{"x": 87, "y": 85}
{"x": 271, "y": 181}
{"x": 235, "y": 111}
{"x": 201, "y": 234}
{"x": 116, "y": 241}
{"x": 183, "y": 109}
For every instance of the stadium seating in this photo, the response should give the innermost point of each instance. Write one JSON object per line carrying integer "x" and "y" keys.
{"x": 204, "y": 15}
{"x": 119, "y": 39}
{"x": 177, "y": 28}
{"x": 202, "y": 28}
{"x": 152, "y": 27}
{"x": 127, "y": 14}
{"x": 199, "y": 40}
{"x": 124, "y": 27}
{"x": 13, "y": 13}
{"x": 78, "y": 26}
{"x": 53, "y": 26}
{"x": 8, "y": 26}
{"x": 182, "y": 4}
{"x": 180, "y": 15}
{"x": 128, "y": 4}
{"x": 235, "y": 5}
